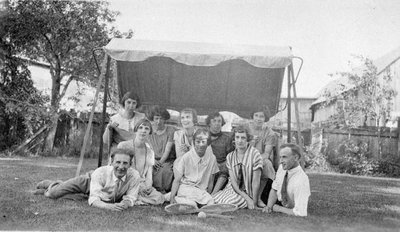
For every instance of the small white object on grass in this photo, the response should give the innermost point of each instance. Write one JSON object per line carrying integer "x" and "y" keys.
{"x": 202, "y": 215}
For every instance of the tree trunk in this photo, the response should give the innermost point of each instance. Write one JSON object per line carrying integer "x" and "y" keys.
{"x": 51, "y": 133}
{"x": 55, "y": 92}
{"x": 55, "y": 89}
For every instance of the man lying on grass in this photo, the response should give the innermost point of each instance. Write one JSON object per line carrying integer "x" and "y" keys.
{"x": 291, "y": 185}
{"x": 113, "y": 187}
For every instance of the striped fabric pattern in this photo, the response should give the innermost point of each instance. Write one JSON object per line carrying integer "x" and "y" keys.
{"x": 229, "y": 196}
{"x": 251, "y": 161}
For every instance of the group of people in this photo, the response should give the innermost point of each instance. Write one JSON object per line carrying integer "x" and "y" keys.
{"x": 152, "y": 163}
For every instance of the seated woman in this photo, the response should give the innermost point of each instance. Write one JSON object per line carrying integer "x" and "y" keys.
{"x": 264, "y": 140}
{"x": 161, "y": 140}
{"x": 221, "y": 144}
{"x": 245, "y": 166}
{"x": 183, "y": 138}
{"x": 121, "y": 125}
{"x": 194, "y": 173}
{"x": 143, "y": 162}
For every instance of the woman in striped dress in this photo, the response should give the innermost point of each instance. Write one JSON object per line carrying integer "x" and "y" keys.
{"x": 245, "y": 166}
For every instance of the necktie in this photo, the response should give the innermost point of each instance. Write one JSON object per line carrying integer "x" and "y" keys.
{"x": 116, "y": 189}
{"x": 241, "y": 177}
{"x": 284, "y": 194}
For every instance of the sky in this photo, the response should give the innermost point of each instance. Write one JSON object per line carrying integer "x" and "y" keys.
{"x": 325, "y": 33}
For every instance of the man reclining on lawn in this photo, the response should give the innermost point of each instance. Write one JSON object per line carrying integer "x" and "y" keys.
{"x": 291, "y": 185}
{"x": 113, "y": 187}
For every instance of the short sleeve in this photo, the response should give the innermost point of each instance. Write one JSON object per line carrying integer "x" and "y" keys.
{"x": 257, "y": 160}
{"x": 229, "y": 161}
{"x": 114, "y": 118}
{"x": 270, "y": 137}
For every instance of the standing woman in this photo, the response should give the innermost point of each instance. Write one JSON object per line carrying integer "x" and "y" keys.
{"x": 183, "y": 138}
{"x": 122, "y": 124}
{"x": 161, "y": 140}
{"x": 245, "y": 166}
{"x": 143, "y": 162}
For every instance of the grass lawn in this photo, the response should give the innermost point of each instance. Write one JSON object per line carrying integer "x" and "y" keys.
{"x": 337, "y": 203}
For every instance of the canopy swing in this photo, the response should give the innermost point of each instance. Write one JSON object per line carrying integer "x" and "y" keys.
{"x": 207, "y": 77}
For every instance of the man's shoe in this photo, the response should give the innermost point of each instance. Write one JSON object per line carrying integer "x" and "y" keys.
{"x": 44, "y": 184}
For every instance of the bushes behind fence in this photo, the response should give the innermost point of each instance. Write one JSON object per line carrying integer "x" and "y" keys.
{"x": 353, "y": 156}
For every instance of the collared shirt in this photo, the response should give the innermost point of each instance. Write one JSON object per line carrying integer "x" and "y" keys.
{"x": 298, "y": 189}
{"x": 103, "y": 186}
{"x": 197, "y": 171}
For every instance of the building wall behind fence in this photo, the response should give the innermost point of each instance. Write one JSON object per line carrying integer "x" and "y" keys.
{"x": 328, "y": 141}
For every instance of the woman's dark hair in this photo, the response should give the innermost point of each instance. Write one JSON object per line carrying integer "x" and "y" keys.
{"x": 242, "y": 129}
{"x": 132, "y": 96}
{"x": 293, "y": 147}
{"x": 193, "y": 112}
{"x": 265, "y": 110}
{"x": 143, "y": 121}
{"x": 157, "y": 110}
{"x": 212, "y": 116}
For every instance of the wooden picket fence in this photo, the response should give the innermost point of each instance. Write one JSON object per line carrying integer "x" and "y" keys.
{"x": 381, "y": 141}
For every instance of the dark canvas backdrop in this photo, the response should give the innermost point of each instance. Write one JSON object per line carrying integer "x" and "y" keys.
{"x": 233, "y": 85}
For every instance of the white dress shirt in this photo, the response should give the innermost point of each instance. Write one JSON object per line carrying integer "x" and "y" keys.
{"x": 103, "y": 186}
{"x": 298, "y": 189}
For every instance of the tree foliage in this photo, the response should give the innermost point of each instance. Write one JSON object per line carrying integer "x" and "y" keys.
{"x": 62, "y": 34}
{"x": 369, "y": 98}
{"x": 22, "y": 106}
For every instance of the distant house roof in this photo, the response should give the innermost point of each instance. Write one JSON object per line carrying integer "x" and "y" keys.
{"x": 333, "y": 88}
{"x": 342, "y": 84}
{"x": 385, "y": 61}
